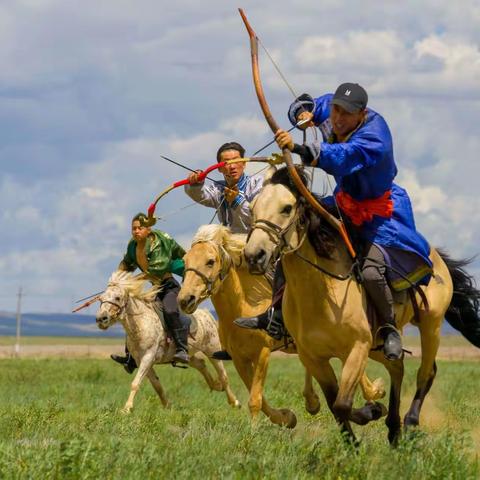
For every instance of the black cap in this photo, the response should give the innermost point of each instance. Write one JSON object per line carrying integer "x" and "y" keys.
{"x": 351, "y": 96}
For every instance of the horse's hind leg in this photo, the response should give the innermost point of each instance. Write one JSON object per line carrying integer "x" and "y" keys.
{"x": 430, "y": 340}
{"x": 199, "y": 364}
{"x": 155, "y": 381}
{"x": 223, "y": 379}
{"x": 312, "y": 402}
{"x": 395, "y": 370}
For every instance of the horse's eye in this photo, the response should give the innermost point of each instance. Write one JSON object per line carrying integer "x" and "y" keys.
{"x": 286, "y": 210}
{"x": 211, "y": 262}
{"x": 117, "y": 299}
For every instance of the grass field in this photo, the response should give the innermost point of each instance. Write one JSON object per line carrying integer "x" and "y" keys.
{"x": 409, "y": 340}
{"x": 60, "y": 419}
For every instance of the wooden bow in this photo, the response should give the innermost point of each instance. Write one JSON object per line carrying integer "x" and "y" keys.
{"x": 286, "y": 153}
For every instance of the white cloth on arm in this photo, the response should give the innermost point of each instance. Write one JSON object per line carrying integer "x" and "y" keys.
{"x": 211, "y": 195}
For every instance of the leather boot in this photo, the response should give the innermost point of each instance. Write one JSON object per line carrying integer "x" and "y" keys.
{"x": 221, "y": 355}
{"x": 128, "y": 362}
{"x": 392, "y": 342}
{"x": 270, "y": 321}
{"x": 180, "y": 337}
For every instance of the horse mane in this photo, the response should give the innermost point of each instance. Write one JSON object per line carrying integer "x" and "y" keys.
{"x": 321, "y": 234}
{"x": 134, "y": 285}
{"x": 232, "y": 243}
{"x": 255, "y": 288}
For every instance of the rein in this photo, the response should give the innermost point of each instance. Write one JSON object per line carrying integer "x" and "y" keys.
{"x": 351, "y": 272}
{"x": 277, "y": 237}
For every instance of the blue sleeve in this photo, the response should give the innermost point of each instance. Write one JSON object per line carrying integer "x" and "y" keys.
{"x": 322, "y": 108}
{"x": 365, "y": 148}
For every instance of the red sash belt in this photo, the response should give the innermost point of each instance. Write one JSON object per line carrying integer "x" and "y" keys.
{"x": 360, "y": 211}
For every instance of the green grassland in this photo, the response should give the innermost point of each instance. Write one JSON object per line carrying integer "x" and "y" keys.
{"x": 60, "y": 418}
{"x": 410, "y": 340}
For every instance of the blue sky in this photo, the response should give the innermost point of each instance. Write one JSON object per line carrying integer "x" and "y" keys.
{"x": 91, "y": 93}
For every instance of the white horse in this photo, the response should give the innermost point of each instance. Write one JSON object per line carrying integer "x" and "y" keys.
{"x": 125, "y": 300}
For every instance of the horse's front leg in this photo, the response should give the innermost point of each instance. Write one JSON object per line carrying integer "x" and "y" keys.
{"x": 257, "y": 401}
{"x": 146, "y": 364}
{"x": 352, "y": 373}
{"x": 325, "y": 376}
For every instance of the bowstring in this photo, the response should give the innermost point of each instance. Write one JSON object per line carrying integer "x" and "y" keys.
{"x": 172, "y": 212}
{"x": 295, "y": 95}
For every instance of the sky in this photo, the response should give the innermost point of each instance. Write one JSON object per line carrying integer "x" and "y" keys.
{"x": 92, "y": 93}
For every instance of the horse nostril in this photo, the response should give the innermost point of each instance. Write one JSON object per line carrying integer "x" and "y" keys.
{"x": 260, "y": 256}
{"x": 102, "y": 319}
{"x": 187, "y": 301}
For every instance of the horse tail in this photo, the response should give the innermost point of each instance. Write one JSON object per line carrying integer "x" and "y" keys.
{"x": 463, "y": 312}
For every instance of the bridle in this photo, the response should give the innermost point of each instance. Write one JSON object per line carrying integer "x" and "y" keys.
{"x": 221, "y": 275}
{"x": 277, "y": 234}
{"x": 281, "y": 246}
{"x": 120, "y": 307}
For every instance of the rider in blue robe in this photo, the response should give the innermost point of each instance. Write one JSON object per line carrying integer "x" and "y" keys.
{"x": 357, "y": 150}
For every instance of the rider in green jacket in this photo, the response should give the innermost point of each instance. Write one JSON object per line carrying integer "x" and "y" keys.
{"x": 158, "y": 255}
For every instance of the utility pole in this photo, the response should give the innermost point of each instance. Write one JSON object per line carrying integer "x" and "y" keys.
{"x": 19, "y": 319}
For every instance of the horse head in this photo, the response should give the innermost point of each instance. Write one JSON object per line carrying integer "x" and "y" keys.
{"x": 114, "y": 299}
{"x": 277, "y": 222}
{"x": 112, "y": 304}
{"x": 214, "y": 251}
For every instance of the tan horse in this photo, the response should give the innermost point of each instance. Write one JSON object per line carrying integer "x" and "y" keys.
{"x": 327, "y": 317}
{"x": 126, "y": 301}
{"x": 214, "y": 268}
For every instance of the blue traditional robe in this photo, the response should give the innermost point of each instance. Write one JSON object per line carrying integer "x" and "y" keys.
{"x": 364, "y": 168}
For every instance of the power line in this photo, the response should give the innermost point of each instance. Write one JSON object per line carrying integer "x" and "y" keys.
{"x": 19, "y": 319}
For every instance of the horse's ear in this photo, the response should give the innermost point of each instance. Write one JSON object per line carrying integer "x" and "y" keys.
{"x": 269, "y": 173}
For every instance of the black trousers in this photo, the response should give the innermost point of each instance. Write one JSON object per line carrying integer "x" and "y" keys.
{"x": 376, "y": 284}
{"x": 171, "y": 313}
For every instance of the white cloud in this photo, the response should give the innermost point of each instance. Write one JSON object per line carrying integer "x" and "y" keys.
{"x": 93, "y": 93}
{"x": 91, "y": 192}
{"x": 380, "y": 50}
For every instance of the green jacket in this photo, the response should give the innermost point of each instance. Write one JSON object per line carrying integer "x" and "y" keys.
{"x": 164, "y": 255}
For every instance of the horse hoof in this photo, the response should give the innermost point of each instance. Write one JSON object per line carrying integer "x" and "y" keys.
{"x": 412, "y": 432}
{"x": 236, "y": 404}
{"x": 379, "y": 389}
{"x": 126, "y": 410}
{"x": 380, "y": 410}
{"x": 312, "y": 407}
{"x": 394, "y": 436}
{"x": 289, "y": 418}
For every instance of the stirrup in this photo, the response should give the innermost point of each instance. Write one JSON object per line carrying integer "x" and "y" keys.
{"x": 181, "y": 356}
{"x": 389, "y": 329}
{"x": 275, "y": 328}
